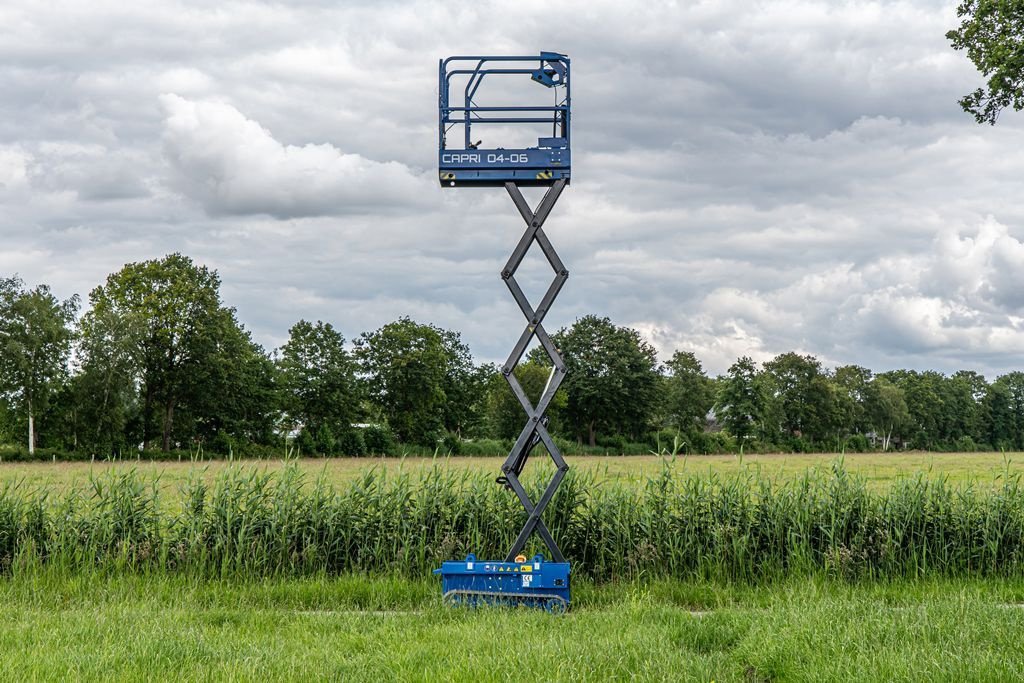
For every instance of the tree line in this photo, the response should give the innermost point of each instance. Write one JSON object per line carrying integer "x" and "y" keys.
{"x": 160, "y": 363}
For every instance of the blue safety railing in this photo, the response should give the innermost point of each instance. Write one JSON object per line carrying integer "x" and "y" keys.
{"x": 461, "y": 162}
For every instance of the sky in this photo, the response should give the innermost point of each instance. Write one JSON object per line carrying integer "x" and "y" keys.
{"x": 750, "y": 177}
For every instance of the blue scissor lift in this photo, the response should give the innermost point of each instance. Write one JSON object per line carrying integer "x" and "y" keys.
{"x": 537, "y": 582}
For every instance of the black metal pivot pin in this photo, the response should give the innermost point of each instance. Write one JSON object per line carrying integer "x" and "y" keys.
{"x": 535, "y": 431}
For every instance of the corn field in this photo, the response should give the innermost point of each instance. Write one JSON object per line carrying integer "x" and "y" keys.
{"x": 739, "y": 527}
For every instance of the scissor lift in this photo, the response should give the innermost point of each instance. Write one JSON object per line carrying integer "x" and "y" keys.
{"x": 538, "y": 582}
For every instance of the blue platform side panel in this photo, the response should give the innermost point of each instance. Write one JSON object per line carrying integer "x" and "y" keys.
{"x": 536, "y": 582}
{"x": 463, "y": 122}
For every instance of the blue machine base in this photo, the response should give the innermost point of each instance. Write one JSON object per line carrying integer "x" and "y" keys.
{"x": 536, "y": 583}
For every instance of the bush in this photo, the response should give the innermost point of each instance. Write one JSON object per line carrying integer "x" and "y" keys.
{"x": 379, "y": 440}
{"x": 668, "y": 442}
{"x": 714, "y": 443}
{"x": 305, "y": 444}
{"x": 221, "y": 444}
{"x": 352, "y": 443}
{"x": 965, "y": 444}
{"x": 450, "y": 444}
{"x": 483, "y": 447}
{"x": 799, "y": 444}
{"x": 325, "y": 441}
{"x": 857, "y": 443}
{"x": 613, "y": 442}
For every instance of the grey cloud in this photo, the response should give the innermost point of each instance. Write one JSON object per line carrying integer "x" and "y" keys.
{"x": 750, "y": 178}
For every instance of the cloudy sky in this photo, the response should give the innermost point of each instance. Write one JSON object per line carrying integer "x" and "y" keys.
{"x": 749, "y": 178}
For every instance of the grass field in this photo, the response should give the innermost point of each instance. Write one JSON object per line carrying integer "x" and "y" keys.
{"x": 132, "y": 620}
{"x": 879, "y": 469}
{"x": 358, "y": 628}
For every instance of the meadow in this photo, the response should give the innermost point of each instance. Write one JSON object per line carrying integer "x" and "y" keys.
{"x": 877, "y": 469}
{"x": 868, "y": 567}
{"x": 131, "y": 627}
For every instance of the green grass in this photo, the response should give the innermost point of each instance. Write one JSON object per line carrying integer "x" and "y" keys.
{"x": 101, "y": 626}
{"x": 707, "y": 569}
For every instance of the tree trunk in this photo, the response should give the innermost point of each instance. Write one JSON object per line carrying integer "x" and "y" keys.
{"x": 168, "y": 421}
{"x": 593, "y": 434}
{"x": 31, "y": 431}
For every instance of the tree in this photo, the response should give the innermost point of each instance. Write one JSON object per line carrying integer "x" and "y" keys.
{"x": 739, "y": 403}
{"x": 105, "y": 386}
{"x": 505, "y": 414}
{"x": 1012, "y": 388}
{"x": 992, "y": 32}
{"x": 611, "y": 379}
{"x": 852, "y": 384}
{"x": 407, "y": 366}
{"x": 965, "y": 391}
{"x": 35, "y": 340}
{"x": 234, "y": 394}
{"x": 464, "y": 386}
{"x": 170, "y": 336}
{"x": 318, "y": 379}
{"x": 805, "y": 396}
{"x": 886, "y": 409}
{"x": 7, "y": 426}
{"x": 688, "y": 393}
{"x": 997, "y": 416}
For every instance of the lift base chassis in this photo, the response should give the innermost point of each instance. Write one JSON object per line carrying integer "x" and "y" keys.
{"x": 536, "y": 583}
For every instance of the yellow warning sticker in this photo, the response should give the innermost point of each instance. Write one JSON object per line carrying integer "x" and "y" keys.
{"x": 527, "y": 568}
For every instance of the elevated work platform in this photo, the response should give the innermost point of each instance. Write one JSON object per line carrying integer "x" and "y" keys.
{"x": 463, "y": 161}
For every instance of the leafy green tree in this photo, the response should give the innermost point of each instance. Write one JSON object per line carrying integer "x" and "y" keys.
{"x": 106, "y": 396}
{"x": 886, "y": 410}
{"x": 965, "y": 391}
{"x": 611, "y": 379}
{"x": 806, "y": 397}
{"x": 997, "y": 416}
{"x": 505, "y": 415}
{"x": 688, "y": 392}
{"x": 1011, "y": 386}
{"x": 7, "y": 421}
{"x": 464, "y": 385}
{"x": 992, "y": 32}
{"x": 318, "y": 381}
{"x": 171, "y": 336}
{"x": 35, "y": 341}
{"x": 407, "y": 368}
{"x": 740, "y": 405}
{"x": 852, "y": 382}
{"x": 926, "y": 399}
{"x": 235, "y": 393}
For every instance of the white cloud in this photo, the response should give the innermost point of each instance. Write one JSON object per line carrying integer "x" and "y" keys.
{"x": 13, "y": 169}
{"x": 232, "y": 165}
